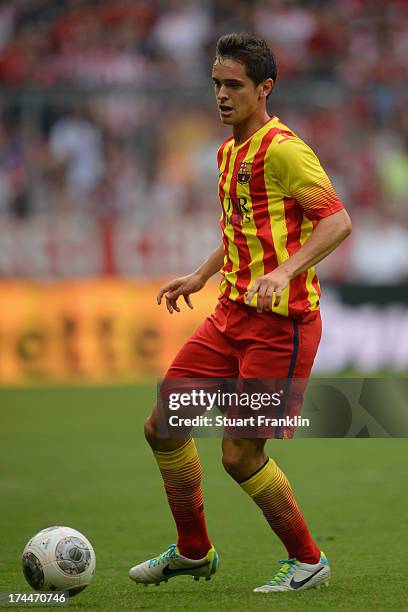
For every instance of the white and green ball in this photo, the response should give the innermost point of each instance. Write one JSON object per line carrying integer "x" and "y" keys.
{"x": 59, "y": 559}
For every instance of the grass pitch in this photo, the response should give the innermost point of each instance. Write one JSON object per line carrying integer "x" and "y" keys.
{"x": 77, "y": 457}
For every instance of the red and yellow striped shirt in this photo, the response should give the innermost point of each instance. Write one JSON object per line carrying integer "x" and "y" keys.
{"x": 273, "y": 191}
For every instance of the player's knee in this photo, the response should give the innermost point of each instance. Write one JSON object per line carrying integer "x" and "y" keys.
{"x": 150, "y": 429}
{"x": 233, "y": 460}
{"x": 240, "y": 458}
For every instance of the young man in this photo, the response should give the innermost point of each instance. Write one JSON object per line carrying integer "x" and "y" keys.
{"x": 280, "y": 216}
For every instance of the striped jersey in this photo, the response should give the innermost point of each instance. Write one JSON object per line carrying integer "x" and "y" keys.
{"x": 273, "y": 191}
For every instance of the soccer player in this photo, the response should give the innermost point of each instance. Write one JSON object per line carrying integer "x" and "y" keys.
{"x": 280, "y": 216}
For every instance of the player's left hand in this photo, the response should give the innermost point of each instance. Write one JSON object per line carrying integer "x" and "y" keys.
{"x": 266, "y": 286}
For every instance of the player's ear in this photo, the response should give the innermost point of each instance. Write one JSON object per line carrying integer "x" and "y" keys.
{"x": 266, "y": 87}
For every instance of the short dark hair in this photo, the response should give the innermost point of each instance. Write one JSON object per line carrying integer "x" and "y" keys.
{"x": 252, "y": 52}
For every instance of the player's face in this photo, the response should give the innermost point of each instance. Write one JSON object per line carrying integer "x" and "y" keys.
{"x": 237, "y": 95}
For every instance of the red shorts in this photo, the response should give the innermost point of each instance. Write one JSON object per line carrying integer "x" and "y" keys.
{"x": 238, "y": 342}
{"x": 266, "y": 350}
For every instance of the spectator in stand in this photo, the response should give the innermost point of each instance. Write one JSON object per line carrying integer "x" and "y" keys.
{"x": 15, "y": 195}
{"x": 24, "y": 59}
{"x": 182, "y": 29}
{"x": 76, "y": 143}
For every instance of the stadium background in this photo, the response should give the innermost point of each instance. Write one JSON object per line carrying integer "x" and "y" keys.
{"x": 108, "y": 135}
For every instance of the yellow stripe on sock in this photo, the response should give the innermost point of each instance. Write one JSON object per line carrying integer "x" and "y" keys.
{"x": 178, "y": 457}
{"x": 261, "y": 479}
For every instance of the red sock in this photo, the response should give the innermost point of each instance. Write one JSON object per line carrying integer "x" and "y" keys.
{"x": 181, "y": 472}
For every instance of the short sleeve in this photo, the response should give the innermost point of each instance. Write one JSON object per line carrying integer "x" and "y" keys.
{"x": 303, "y": 178}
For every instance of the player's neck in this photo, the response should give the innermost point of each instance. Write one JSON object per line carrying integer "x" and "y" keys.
{"x": 247, "y": 128}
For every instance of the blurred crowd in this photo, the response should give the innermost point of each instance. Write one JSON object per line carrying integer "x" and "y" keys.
{"x": 107, "y": 114}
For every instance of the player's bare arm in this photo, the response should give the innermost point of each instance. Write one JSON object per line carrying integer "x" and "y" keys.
{"x": 191, "y": 283}
{"x": 325, "y": 238}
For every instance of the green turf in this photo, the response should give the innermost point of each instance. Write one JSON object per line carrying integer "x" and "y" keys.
{"x": 77, "y": 457}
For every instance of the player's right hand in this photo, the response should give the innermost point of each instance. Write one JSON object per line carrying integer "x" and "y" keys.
{"x": 184, "y": 285}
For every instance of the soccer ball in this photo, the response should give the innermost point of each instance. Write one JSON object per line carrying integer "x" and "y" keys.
{"x": 59, "y": 559}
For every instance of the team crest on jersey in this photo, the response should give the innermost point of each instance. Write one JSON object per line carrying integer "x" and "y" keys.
{"x": 244, "y": 172}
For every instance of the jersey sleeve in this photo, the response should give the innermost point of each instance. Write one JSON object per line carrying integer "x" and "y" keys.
{"x": 303, "y": 179}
